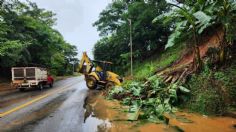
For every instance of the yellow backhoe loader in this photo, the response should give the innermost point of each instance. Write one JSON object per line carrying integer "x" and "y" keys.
{"x": 98, "y": 73}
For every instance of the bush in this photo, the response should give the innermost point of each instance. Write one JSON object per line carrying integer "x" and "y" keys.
{"x": 209, "y": 102}
{"x": 208, "y": 93}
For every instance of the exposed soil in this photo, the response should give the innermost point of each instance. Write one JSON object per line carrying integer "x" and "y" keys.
{"x": 114, "y": 119}
{"x": 212, "y": 41}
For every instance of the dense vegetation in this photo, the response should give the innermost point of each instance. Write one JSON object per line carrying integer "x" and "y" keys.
{"x": 27, "y": 37}
{"x": 160, "y": 38}
{"x": 213, "y": 91}
{"x": 193, "y": 18}
{"x": 186, "y": 21}
{"x": 114, "y": 28}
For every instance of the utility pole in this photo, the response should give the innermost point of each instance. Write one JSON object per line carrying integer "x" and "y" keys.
{"x": 73, "y": 68}
{"x": 131, "y": 47}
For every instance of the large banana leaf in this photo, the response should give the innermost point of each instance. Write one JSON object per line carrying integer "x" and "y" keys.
{"x": 176, "y": 34}
{"x": 203, "y": 21}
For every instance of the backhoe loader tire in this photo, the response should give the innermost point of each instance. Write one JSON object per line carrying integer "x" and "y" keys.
{"x": 91, "y": 82}
{"x": 109, "y": 85}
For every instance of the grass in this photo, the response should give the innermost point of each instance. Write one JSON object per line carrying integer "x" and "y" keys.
{"x": 149, "y": 66}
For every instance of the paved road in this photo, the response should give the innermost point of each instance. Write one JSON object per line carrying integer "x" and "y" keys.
{"x": 57, "y": 109}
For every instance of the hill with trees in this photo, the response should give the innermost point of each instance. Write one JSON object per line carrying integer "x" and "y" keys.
{"x": 184, "y": 54}
{"x": 28, "y": 37}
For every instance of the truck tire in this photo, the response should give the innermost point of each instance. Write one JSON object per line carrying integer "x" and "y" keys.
{"x": 91, "y": 82}
{"x": 51, "y": 85}
{"x": 109, "y": 85}
{"x": 40, "y": 86}
{"x": 22, "y": 89}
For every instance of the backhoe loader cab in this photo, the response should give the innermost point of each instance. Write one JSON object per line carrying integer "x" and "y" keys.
{"x": 98, "y": 73}
{"x": 103, "y": 65}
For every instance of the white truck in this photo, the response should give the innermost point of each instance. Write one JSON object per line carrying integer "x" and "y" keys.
{"x": 28, "y": 77}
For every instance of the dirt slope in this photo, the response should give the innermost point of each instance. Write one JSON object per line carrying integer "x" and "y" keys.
{"x": 183, "y": 65}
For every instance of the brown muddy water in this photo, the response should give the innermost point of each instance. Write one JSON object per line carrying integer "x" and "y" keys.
{"x": 108, "y": 116}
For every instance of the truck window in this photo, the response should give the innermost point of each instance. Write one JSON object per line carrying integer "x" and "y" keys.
{"x": 19, "y": 72}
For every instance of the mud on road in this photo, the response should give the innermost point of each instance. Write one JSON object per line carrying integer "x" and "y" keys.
{"x": 70, "y": 106}
{"x": 110, "y": 116}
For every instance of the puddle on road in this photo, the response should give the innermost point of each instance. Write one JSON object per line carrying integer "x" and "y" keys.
{"x": 102, "y": 115}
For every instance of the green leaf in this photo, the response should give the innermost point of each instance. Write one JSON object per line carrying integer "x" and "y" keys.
{"x": 160, "y": 109}
{"x": 233, "y": 6}
{"x": 133, "y": 116}
{"x": 134, "y": 112}
{"x": 155, "y": 20}
{"x": 167, "y": 107}
{"x": 154, "y": 119}
{"x": 203, "y": 20}
{"x": 176, "y": 34}
{"x": 136, "y": 91}
{"x": 172, "y": 93}
{"x": 117, "y": 90}
{"x": 165, "y": 17}
{"x": 172, "y": 38}
{"x": 183, "y": 89}
{"x": 202, "y": 17}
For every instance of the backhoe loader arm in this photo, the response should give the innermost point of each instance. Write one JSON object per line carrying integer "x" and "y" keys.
{"x": 87, "y": 68}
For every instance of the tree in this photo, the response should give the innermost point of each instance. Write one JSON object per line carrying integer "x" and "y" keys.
{"x": 190, "y": 22}
{"x": 148, "y": 37}
{"x": 27, "y": 37}
{"x": 225, "y": 15}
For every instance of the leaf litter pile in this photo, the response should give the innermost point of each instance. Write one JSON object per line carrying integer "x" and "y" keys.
{"x": 148, "y": 100}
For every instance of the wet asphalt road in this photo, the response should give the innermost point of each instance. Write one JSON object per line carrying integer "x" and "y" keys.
{"x": 57, "y": 109}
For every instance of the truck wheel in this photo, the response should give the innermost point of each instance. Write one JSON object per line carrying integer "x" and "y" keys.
{"x": 91, "y": 82}
{"x": 22, "y": 89}
{"x": 109, "y": 85}
{"x": 51, "y": 85}
{"x": 40, "y": 86}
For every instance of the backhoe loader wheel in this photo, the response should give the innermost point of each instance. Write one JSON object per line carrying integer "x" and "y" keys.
{"x": 109, "y": 85}
{"x": 91, "y": 82}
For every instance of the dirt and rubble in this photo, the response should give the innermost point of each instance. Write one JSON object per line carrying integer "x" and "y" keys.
{"x": 113, "y": 118}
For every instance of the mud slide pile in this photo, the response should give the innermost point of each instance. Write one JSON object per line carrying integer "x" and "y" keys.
{"x": 179, "y": 70}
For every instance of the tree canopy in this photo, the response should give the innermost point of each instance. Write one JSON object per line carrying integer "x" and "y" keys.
{"x": 114, "y": 28}
{"x": 159, "y": 24}
{"x": 27, "y": 36}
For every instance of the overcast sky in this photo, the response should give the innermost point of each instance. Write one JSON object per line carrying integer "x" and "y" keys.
{"x": 75, "y": 19}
